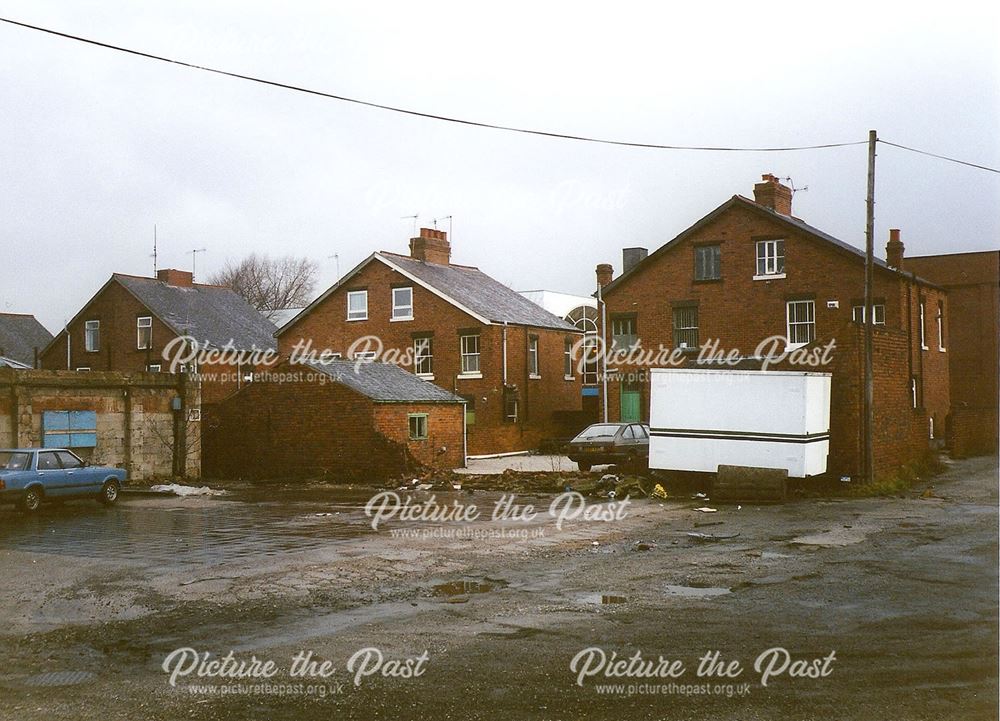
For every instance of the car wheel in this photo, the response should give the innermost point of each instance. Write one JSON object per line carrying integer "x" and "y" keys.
{"x": 585, "y": 467}
{"x": 31, "y": 500}
{"x": 109, "y": 493}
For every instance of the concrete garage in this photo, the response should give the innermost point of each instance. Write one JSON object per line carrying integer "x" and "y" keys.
{"x": 349, "y": 420}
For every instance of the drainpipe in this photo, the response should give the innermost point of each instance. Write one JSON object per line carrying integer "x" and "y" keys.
{"x": 603, "y": 349}
{"x": 505, "y": 353}
{"x": 69, "y": 364}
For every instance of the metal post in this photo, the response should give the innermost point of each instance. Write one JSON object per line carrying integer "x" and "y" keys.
{"x": 603, "y": 350}
{"x": 869, "y": 420}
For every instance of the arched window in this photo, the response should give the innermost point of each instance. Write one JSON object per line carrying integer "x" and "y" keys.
{"x": 584, "y": 317}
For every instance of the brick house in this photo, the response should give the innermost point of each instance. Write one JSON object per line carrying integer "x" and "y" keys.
{"x": 973, "y": 284}
{"x": 22, "y": 339}
{"x": 750, "y": 271}
{"x": 127, "y": 324}
{"x": 359, "y": 420}
{"x": 454, "y": 326}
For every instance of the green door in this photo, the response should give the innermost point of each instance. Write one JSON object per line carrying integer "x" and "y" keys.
{"x": 630, "y": 398}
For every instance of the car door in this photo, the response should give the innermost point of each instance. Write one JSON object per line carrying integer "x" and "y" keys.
{"x": 79, "y": 478}
{"x": 50, "y": 473}
{"x": 642, "y": 439}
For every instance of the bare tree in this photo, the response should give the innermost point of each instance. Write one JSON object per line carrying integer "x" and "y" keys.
{"x": 270, "y": 284}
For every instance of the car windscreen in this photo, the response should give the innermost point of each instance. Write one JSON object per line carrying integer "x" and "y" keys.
{"x": 600, "y": 430}
{"x": 10, "y": 461}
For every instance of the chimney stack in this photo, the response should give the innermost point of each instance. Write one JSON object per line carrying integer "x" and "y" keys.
{"x": 772, "y": 194}
{"x": 605, "y": 272}
{"x": 179, "y": 278}
{"x": 631, "y": 257}
{"x": 431, "y": 246}
{"x": 894, "y": 250}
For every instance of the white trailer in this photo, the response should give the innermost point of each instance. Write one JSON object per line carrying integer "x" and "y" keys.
{"x": 700, "y": 419}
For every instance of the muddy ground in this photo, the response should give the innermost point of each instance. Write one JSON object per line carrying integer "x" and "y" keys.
{"x": 903, "y": 591}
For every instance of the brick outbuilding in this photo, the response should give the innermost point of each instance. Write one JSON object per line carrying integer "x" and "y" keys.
{"x": 350, "y": 420}
{"x": 456, "y": 327}
{"x": 751, "y": 272}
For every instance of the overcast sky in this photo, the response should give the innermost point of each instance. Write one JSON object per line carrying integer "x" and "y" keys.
{"x": 99, "y": 146}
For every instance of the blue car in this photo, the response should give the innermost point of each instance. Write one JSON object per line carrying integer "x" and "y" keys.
{"x": 29, "y": 476}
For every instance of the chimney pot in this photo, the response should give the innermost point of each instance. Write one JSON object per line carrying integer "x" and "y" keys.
{"x": 773, "y": 194}
{"x": 431, "y": 246}
{"x": 894, "y": 250}
{"x": 605, "y": 273}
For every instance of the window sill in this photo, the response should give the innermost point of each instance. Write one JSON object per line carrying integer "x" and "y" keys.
{"x": 469, "y": 376}
{"x": 773, "y": 276}
{"x": 708, "y": 280}
{"x": 417, "y": 439}
{"x": 569, "y": 378}
{"x": 534, "y": 376}
{"x": 401, "y": 319}
{"x": 355, "y": 320}
{"x": 425, "y": 376}
{"x": 794, "y": 346}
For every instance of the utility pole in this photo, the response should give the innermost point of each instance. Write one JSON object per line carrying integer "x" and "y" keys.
{"x": 869, "y": 421}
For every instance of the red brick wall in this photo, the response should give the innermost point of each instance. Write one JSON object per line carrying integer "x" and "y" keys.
{"x": 741, "y": 312}
{"x": 972, "y": 332}
{"x": 327, "y": 327}
{"x": 304, "y": 427}
{"x": 443, "y": 447}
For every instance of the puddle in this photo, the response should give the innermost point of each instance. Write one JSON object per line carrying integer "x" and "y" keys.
{"x": 465, "y": 588}
{"x": 604, "y": 599}
{"x": 694, "y": 592}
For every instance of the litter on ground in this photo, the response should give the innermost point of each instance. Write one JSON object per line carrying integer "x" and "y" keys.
{"x": 706, "y": 509}
{"x": 179, "y": 490}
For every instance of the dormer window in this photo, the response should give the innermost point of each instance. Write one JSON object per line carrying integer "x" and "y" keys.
{"x": 770, "y": 259}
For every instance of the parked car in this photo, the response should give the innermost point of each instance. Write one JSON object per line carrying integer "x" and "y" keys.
{"x": 29, "y": 476}
{"x": 619, "y": 443}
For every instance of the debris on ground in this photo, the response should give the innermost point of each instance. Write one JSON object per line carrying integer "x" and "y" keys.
{"x": 706, "y": 509}
{"x": 700, "y": 497}
{"x": 179, "y": 490}
{"x": 659, "y": 492}
{"x": 698, "y": 535}
{"x": 644, "y": 545}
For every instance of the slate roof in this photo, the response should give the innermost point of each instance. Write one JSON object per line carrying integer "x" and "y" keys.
{"x": 20, "y": 334}
{"x": 384, "y": 382}
{"x": 208, "y": 313}
{"x": 790, "y": 220}
{"x": 479, "y": 293}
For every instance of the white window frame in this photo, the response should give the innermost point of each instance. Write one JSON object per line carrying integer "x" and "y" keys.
{"x": 568, "y": 344}
{"x": 422, "y": 420}
{"x": 940, "y": 326}
{"x": 769, "y": 264}
{"x": 533, "y": 369}
{"x": 402, "y": 311}
{"x": 83, "y": 369}
{"x": 142, "y": 323}
{"x": 153, "y": 368}
{"x": 807, "y": 323}
{"x": 366, "y": 355}
{"x": 467, "y": 355}
{"x": 419, "y": 356}
{"x": 357, "y": 314}
{"x": 923, "y": 325}
{"x": 858, "y": 313}
{"x": 95, "y": 327}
